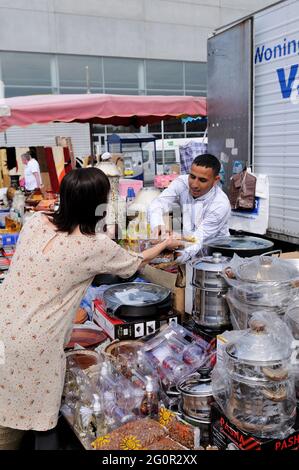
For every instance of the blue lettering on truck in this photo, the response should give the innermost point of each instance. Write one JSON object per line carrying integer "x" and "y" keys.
{"x": 288, "y": 47}
{"x": 286, "y": 76}
{"x": 286, "y": 84}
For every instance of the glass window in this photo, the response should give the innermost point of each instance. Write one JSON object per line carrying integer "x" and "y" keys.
{"x": 121, "y": 91}
{"x": 11, "y": 91}
{"x": 26, "y": 69}
{"x": 169, "y": 156}
{"x": 73, "y": 72}
{"x": 122, "y": 73}
{"x": 164, "y": 92}
{"x": 77, "y": 90}
{"x": 195, "y": 76}
{"x": 164, "y": 74}
{"x": 196, "y": 92}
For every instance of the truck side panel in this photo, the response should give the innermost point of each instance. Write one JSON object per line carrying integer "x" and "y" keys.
{"x": 276, "y": 113}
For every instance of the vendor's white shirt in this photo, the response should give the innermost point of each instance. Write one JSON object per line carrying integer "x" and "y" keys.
{"x": 204, "y": 217}
{"x": 30, "y": 180}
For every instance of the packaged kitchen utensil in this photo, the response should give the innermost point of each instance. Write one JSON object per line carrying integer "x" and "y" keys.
{"x": 175, "y": 353}
{"x": 253, "y": 384}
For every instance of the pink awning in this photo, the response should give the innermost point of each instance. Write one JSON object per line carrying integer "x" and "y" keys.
{"x": 123, "y": 110}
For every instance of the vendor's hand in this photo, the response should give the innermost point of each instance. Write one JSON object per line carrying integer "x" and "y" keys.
{"x": 176, "y": 235}
{"x": 158, "y": 234}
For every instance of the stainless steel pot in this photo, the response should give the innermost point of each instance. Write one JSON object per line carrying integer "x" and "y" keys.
{"x": 210, "y": 308}
{"x": 196, "y": 396}
{"x": 207, "y": 272}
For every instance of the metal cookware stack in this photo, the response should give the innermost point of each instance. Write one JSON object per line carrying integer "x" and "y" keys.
{"x": 254, "y": 384}
{"x": 210, "y": 309}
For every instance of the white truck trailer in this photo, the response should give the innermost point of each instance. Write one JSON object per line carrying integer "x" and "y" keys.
{"x": 253, "y": 105}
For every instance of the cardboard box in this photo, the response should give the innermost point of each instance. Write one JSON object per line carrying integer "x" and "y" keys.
{"x": 226, "y": 436}
{"x": 168, "y": 280}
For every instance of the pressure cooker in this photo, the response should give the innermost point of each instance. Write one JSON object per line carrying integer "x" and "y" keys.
{"x": 243, "y": 246}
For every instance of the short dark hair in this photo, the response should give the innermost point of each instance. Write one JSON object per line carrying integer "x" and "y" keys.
{"x": 82, "y": 190}
{"x": 209, "y": 161}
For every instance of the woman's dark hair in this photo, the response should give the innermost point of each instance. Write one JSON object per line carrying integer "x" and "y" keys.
{"x": 82, "y": 191}
{"x": 209, "y": 161}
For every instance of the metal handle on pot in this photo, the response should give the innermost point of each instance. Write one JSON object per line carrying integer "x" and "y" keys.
{"x": 273, "y": 252}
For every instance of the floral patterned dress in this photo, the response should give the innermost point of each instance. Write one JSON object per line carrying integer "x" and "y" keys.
{"x": 38, "y": 300}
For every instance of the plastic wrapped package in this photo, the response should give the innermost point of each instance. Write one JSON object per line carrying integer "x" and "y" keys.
{"x": 262, "y": 280}
{"x": 136, "y": 435}
{"x": 292, "y": 320}
{"x": 175, "y": 353}
{"x": 97, "y": 398}
{"x": 254, "y": 385}
{"x": 179, "y": 430}
{"x": 241, "y": 312}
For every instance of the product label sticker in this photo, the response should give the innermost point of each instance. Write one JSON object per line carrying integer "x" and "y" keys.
{"x": 229, "y": 143}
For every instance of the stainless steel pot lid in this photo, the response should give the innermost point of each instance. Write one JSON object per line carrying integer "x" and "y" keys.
{"x": 214, "y": 263}
{"x": 195, "y": 385}
{"x": 136, "y": 294}
{"x": 240, "y": 243}
{"x": 266, "y": 269}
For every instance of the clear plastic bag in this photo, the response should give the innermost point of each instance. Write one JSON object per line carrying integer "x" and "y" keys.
{"x": 254, "y": 384}
{"x": 262, "y": 280}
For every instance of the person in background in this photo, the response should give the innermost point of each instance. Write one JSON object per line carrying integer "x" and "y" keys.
{"x": 32, "y": 176}
{"x": 205, "y": 208}
{"x": 55, "y": 261}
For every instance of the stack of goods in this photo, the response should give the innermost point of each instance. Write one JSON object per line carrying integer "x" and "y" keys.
{"x": 259, "y": 283}
{"x": 98, "y": 399}
{"x": 109, "y": 400}
{"x": 253, "y": 384}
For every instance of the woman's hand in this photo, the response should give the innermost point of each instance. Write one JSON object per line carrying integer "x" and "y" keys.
{"x": 173, "y": 243}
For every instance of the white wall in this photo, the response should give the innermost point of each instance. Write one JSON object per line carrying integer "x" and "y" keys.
{"x": 157, "y": 29}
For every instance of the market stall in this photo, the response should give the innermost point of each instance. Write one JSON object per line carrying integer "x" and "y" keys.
{"x": 145, "y": 372}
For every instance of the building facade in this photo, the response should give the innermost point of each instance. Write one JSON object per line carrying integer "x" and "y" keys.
{"x": 111, "y": 46}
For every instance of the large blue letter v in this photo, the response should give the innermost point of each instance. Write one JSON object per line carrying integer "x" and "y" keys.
{"x": 286, "y": 89}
